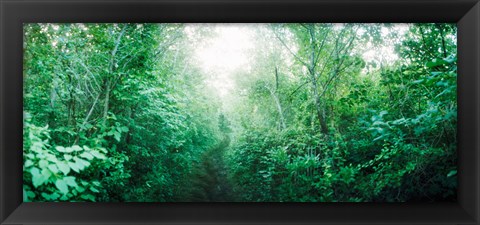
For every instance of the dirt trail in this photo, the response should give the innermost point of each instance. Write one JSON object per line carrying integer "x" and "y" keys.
{"x": 209, "y": 178}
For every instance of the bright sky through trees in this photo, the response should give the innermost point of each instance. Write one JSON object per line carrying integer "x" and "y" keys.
{"x": 225, "y": 51}
{"x": 229, "y": 48}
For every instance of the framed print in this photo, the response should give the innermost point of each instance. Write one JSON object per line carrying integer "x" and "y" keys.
{"x": 278, "y": 112}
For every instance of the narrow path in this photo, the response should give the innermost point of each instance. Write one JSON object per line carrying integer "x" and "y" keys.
{"x": 209, "y": 178}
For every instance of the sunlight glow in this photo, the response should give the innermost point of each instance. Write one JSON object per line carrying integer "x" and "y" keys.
{"x": 386, "y": 53}
{"x": 225, "y": 50}
{"x": 224, "y": 53}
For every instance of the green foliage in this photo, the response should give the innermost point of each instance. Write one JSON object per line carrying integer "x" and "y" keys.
{"x": 55, "y": 174}
{"x": 392, "y": 136}
{"x": 125, "y": 113}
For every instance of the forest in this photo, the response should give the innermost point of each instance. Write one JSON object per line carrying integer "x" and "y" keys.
{"x": 295, "y": 112}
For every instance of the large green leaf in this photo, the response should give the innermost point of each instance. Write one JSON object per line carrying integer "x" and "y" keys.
{"x": 28, "y": 163}
{"x": 37, "y": 177}
{"x": 98, "y": 155}
{"x": 63, "y": 149}
{"x": 70, "y": 181}
{"x": 76, "y": 148}
{"x": 63, "y": 166}
{"x": 81, "y": 163}
{"x": 62, "y": 186}
{"x": 86, "y": 155}
{"x": 452, "y": 173}
{"x": 117, "y": 135}
{"x": 435, "y": 63}
{"x": 74, "y": 166}
{"x": 53, "y": 168}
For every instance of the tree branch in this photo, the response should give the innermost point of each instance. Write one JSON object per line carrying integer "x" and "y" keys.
{"x": 290, "y": 50}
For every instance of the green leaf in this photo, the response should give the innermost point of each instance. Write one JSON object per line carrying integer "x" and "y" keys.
{"x": 54, "y": 196}
{"x": 79, "y": 189}
{"x": 104, "y": 150}
{"x": 383, "y": 113}
{"x": 98, "y": 155}
{"x": 70, "y": 181}
{"x": 67, "y": 157}
{"x": 60, "y": 149}
{"x": 30, "y": 194}
{"x": 62, "y": 186}
{"x": 28, "y": 163}
{"x": 87, "y": 155}
{"x": 124, "y": 129}
{"x": 63, "y": 167}
{"x": 435, "y": 62}
{"x": 88, "y": 197}
{"x": 46, "y": 173}
{"x": 37, "y": 178}
{"x": 52, "y": 158}
{"x": 81, "y": 163}
{"x": 452, "y": 173}
{"x": 43, "y": 163}
{"x": 53, "y": 168}
{"x": 117, "y": 136}
{"x": 94, "y": 190}
{"x": 73, "y": 166}
{"x": 450, "y": 59}
{"x": 76, "y": 148}
{"x": 436, "y": 73}
{"x": 418, "y": 81}
{"x": 46, "y": 196}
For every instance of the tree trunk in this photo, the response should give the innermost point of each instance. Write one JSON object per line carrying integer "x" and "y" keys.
{"x": 105, "y": 106}
{"x": 444, "y": 49}
{"x": 318, "y": 107}
{"x": 313, "y": 78}
{"x": 128, "y": 136}
{"x": 111, "y": 70}
{"x": 53, "y": 98}
{"x": 279, "y": 108}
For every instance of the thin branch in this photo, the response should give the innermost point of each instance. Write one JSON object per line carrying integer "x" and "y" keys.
{"x": 320, "y": 50}
{"x": 115, "y": 49}
{"x": 313, "y": 46}
{"x": 276, "y": 79}
{"x": 290, "y": 50}
{"x": 88, "y": 71}
{"x": 298, "y": 88}
{"x": 85, "y": 121}
{"x": 338, "y": 53}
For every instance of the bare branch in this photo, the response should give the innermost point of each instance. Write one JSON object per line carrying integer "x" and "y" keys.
{"x": 320, "y": 50}
{"x": 290, "y": 50}
{"x": 276, "y": 79}
{"x": 298, "y": 88}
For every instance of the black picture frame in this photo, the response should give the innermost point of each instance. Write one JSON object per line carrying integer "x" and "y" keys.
{"x": 13, "y": 13}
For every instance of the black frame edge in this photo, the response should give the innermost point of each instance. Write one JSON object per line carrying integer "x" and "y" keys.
{"x": 11, "y": 113}
{"x": 469, "y": 47}
{"x": 2, "y": 161}
{"x": 12, "y": 211}
{"x": 241, "y": 10}
{"x": 472, "y": 65}
{"x": 220, "y": 213}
